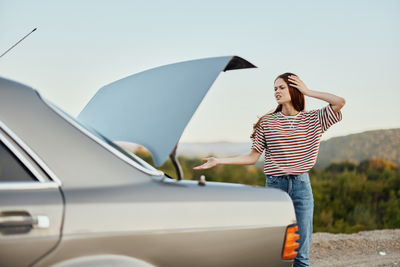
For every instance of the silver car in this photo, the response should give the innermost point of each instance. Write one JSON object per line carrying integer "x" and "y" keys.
{"x": 70, "y": 196}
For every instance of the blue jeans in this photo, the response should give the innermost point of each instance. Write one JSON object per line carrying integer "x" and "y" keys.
{"x": 299, "y": 189}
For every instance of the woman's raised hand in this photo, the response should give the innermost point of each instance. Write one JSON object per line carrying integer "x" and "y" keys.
{"x": 211, "y": 162}
{"x": 299, "y": 84}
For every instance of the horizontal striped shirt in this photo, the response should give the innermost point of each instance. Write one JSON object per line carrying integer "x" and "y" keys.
{"x": 291, "y": 143}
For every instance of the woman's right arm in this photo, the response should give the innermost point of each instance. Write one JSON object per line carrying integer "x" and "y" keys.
{"x": 247, "y": 159}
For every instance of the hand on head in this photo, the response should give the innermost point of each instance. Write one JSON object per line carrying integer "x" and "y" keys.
{"x": 210, "y": 162}
{"x": 299, "y": 84}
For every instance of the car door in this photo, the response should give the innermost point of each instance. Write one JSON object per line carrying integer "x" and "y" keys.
{"x": 31, "y": 204}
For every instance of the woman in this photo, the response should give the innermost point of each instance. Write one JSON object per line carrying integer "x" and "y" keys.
{"x": 290, "y": 137}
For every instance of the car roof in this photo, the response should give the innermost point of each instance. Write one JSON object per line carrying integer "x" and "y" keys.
{"x": 73, "y": 155}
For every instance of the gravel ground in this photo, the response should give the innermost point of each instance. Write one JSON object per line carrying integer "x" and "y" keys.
{"x": 367, "y": 248}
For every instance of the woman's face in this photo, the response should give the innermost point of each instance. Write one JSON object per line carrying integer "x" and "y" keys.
{"x": 281, "y": 90}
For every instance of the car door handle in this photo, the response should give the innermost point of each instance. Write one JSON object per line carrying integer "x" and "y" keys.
{"x": 39, "y": 221}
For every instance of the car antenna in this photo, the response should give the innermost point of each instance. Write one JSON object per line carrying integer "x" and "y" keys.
{"x": 18, "y": 42}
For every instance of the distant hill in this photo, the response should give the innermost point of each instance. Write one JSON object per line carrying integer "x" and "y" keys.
{"x": 383, "y": 144}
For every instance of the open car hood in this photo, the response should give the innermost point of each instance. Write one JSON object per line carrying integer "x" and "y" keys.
{"x": 153, "y": 107}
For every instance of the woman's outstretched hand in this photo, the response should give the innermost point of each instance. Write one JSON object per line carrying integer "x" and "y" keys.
{"x": 211, "y": 162}
{"x": 299, "y": 84}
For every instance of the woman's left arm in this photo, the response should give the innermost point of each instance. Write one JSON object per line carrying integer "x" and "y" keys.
{"x": 336, "y": 102}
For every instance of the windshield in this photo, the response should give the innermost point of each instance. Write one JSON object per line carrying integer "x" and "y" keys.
{"x": 104, "y": 139}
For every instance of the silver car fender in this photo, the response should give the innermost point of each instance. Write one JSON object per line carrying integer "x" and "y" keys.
{"x": 104, "y": 261}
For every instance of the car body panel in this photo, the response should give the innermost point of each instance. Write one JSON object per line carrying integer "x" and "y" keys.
{"x": 153, "y": 107}
{"x": 244, "y": 247}
{"x": 31, "y": 211}
{"x": 23, "y": 248}
{"x": 76, "y": 158}
{"x": 209, "y": 225}
{"x": 103, "y": 260}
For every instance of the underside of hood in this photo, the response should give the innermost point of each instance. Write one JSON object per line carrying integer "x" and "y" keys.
{"x": 153, "y": 107}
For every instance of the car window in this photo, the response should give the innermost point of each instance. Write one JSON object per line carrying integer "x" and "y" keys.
{"x": 11, "y": 169}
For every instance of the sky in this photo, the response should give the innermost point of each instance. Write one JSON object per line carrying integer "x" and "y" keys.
{"x": 347, "y": 48}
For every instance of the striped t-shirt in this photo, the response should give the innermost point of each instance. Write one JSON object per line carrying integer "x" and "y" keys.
{"x": 291, "y": 143}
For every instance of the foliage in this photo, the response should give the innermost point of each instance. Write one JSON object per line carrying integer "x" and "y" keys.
{"x": 354, "y": 197}
{"x": 348, "y": 197}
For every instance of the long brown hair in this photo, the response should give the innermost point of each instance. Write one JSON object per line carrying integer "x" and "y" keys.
{"x": 297, "y": 99}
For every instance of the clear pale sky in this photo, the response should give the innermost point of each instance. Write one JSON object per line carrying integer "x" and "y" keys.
{"x": 348, "y": 48}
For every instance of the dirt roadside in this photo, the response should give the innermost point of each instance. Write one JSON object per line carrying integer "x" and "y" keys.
{"x": 367, "y": 248}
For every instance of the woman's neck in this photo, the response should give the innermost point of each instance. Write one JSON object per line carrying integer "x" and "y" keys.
{"x": 289, "y": 110}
